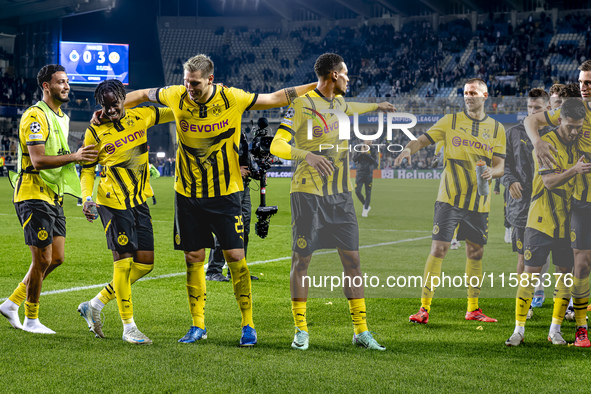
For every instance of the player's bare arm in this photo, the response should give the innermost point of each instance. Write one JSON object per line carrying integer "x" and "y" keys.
{"x": 496, "y": 171}
{"x": 43, "y": 162}
{"x": 386, "y": 107}
{"x": 532, "y": 124}
{"x": 412, "y": 148}
{"x": 282, "y": 97}
{"x": 552, "y": 181}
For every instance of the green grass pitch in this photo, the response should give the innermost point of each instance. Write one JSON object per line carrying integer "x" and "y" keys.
{"x": 448, "y": 354}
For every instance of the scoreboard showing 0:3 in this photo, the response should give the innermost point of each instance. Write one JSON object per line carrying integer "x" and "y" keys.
{"x": 92, "y": 63}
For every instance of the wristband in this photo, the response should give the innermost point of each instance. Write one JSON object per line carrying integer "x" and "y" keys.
{"x": 408, "y": 150}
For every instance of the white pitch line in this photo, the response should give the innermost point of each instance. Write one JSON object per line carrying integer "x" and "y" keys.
{"x": 79, "y": 288}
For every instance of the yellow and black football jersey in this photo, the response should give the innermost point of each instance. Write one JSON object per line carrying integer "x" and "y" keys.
{"x": 208, "y": 138}
{"x": 549, "y": 211}
{"x": 123, "y": 153}
{"x": 582, "y": 181}
{"x": 321, "y": 137}
{"x": 466, "y": 141}
{"x": 33, "y": 130}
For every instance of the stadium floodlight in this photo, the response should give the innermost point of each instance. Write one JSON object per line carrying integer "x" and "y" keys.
{"x": 160, "y": 155}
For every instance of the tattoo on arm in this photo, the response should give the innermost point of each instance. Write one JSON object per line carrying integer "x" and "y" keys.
{"x": 290, "y": 94}
{"x": 152, "y": 94}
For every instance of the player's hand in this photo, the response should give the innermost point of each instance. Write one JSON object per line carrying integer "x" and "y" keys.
{"x": 545, "y": 158}
{"x": 386, "y": 106}
{"x": 96, "y": 117}
{"x": 581, "y": 167}
{"x": 86, "y": 210}
{"x": 244, "y": 171}
{"x": 487, "y": 174}
{"x": 85, "y": 154}
{"x": 320, "y": 164}
{"x": 405, "y": 154}
{"x": 515, "y": 190}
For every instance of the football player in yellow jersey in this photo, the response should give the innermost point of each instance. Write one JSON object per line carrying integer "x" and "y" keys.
{"x": 469, "y": 136}
{"x": 323, "y": 215}
{"x": 208, "y": 179}
{"x": 121, "y": 200}
{"x": 581, "y": 206}
{"x": 45, "y": 173}
{"x": 547, "y": 230}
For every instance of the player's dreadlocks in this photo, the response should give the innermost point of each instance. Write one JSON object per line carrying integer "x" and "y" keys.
{"x": 110, "y": 85}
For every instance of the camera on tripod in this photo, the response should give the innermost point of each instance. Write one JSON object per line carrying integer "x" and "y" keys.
{"x": 260, "y": 163}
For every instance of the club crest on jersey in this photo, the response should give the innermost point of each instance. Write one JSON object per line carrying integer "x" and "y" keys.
{"x": 301, "y": 243}
{"x": 486, "y": 135}
{"x": 42, "y": 235}
{"x": 129, "y": 122}
{"x": 216, "y": 110}
{"x": 122, "y": 240}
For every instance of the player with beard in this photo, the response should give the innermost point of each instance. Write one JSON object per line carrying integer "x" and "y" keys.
{"x": 45, "y": 172}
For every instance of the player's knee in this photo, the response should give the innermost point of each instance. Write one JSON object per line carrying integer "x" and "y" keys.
{"x": 439, "y": 250}
{"x": 300, "y": 263}
{"x": 475, "y": 254}
{"x": 57, "y": 261}
{"x": 195, "y": 256}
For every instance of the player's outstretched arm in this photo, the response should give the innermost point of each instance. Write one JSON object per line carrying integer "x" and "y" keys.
{"x": 43, "y": 162}
{"x": 282, "y": 97}
{"x": 554, "y": 180}
{"x": 137, "y": 97}
{"x": 532, "y": 123}
{"x": 413, "y": 147}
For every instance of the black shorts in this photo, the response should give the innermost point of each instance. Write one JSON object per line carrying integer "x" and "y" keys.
{"x": 41, "y": 221}
{"x": 537, "y": 246}
{"x": 128, "y": 230}
{"x": 580, "y": 225}
{"x": 195, "y": 219}
{"x": 517, "y": 237}
{"x": 473, "y": 225}
{"x": 323, "y": 222}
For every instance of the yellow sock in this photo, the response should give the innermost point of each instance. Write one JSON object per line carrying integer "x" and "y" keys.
{"x": 138, "y": 270}
{"x": 122, "y": 288}
{"x": 358, "y": 312}
{"x": 474, "y": 275}
{"x": 242, "y": 290}
{"x": 456, "y": 232}
{"x": 580, "y": 294}
{"x": 19, "y": 294}
{"x": 107, "y": 294}
{"x": 298, "y": 309}
{"x": 523, "y": 300}
{"x": 32, "y": 310}
{"x": 561, "y": 299}
{"x": 432, "y": 269}
{"x": 196, "y": 293}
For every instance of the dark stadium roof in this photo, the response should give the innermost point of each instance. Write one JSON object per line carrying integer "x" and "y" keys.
{"x": 30, "y": 11}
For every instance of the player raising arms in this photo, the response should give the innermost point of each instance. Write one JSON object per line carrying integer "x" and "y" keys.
{"x": 208, "y": 179}
{"x": 122, "y": 142}
{"x": 322, "y": 211}
{"x": 469, "y": 136}
{"x": 548, "y": 229}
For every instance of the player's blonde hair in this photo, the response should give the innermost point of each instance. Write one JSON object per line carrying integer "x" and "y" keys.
{"x": 200, "y": 63}
{"x": 479, "y": 82}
